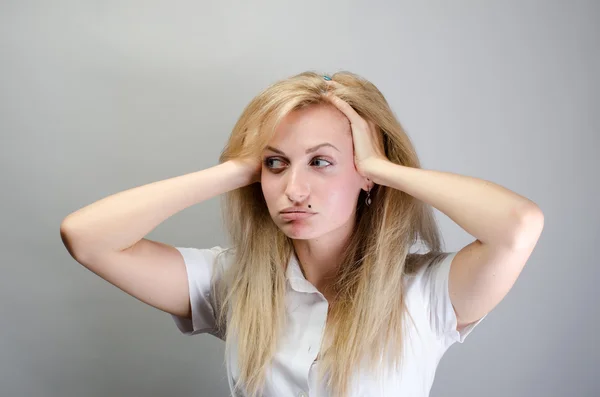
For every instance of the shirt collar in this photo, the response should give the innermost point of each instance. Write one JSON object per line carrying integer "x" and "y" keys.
{"x": 295, "y": 278}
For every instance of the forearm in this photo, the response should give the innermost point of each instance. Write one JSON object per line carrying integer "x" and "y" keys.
{"x": 487, "y": 211}
{"x": 119, "y": 221}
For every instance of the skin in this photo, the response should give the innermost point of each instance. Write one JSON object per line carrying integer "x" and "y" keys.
{"x": 327, "y": 179}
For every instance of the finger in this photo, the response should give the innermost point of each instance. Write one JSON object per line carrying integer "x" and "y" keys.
{"x": 345, "y": 108}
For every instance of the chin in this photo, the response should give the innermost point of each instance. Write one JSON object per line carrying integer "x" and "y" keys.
{"x": 299, "y": 231}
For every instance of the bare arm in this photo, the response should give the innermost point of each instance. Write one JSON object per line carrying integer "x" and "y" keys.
{"x": 107, "y": 236}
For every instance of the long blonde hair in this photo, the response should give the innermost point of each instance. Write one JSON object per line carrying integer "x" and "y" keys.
{"x": 366, "y": 317}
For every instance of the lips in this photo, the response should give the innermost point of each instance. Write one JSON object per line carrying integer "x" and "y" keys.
{"x": 295, "y": 209}
{"x": 296, "y": 215}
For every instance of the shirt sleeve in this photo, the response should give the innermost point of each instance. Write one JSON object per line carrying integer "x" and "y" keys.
{"x": 436, "y": 295}
{"x": 200, "y": 265}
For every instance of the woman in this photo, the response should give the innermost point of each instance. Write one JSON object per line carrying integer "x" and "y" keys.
{"x": 320, "y": 293}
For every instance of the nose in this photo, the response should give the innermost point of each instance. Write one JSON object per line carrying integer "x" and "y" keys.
{"x": 297, "y": 188}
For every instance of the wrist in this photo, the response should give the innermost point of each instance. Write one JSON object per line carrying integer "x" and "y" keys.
{"x": 237, "y": 171}
{"x": 245, "y": 171}
{"x": 371, "y": 169}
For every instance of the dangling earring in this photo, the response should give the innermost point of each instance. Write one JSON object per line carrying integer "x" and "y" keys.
{"x": 368, "y": 200}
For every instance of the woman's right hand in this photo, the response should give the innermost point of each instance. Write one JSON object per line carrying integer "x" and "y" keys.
{"x": 252, "y": 168}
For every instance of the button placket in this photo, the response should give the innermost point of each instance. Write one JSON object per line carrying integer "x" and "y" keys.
{"x": 318, "y": 310}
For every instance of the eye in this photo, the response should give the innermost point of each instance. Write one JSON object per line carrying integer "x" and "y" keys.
{"x": 270, "y": 159}
{"x": 319, "y": 159}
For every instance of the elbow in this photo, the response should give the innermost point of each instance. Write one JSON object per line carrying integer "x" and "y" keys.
{"x": 68, "y": 238}
{"x": 530, "y": 226}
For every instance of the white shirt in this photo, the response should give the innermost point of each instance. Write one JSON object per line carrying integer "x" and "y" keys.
{"x": 294, "y": 370}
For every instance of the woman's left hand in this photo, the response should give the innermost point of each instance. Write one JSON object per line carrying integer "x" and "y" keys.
{"x": 367, "y": 140}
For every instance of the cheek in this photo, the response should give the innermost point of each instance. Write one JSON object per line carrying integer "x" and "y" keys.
{"x": 340, "y": 199}
{"x": 269, "y": 190}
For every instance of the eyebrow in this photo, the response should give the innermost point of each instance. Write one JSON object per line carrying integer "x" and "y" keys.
{"x": 309, "y": 150}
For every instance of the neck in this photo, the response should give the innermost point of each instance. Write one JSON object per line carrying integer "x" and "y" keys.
{"x": 319, "y": 258}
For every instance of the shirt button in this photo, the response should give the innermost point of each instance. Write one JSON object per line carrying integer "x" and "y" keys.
{"x": 302, "y": 394}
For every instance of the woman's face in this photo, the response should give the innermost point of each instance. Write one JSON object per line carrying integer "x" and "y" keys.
{"x": 300, "y": 168}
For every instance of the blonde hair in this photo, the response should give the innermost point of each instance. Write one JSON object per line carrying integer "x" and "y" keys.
{"x": 366, "y": 317}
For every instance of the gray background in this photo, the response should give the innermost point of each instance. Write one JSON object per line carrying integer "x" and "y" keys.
{"x": 102, "y": 96}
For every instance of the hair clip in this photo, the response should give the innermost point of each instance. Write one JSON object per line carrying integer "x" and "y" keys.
{"x": 327, "y": 77}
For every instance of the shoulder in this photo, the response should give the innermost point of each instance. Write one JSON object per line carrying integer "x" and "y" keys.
{"x": 216, "y": 257}
{"x": 427, "y": 273}
{"x": 418, "y": 265}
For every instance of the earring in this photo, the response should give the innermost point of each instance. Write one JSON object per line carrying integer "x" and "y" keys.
{"x": 368, "y": 200}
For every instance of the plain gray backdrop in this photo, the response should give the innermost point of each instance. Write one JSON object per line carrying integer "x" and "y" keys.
{"x": 102, "y": 96}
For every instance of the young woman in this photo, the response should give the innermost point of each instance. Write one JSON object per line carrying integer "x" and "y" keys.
{"x": 320, "y": 293}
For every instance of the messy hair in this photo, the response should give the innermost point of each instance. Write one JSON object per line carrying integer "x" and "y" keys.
{"x": 368, "y": 313}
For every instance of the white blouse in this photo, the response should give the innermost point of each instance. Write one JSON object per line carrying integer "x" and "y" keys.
{"x": 294, "y": 369}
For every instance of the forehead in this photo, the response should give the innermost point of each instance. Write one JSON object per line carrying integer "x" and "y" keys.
{"x": 323, "y": 121}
